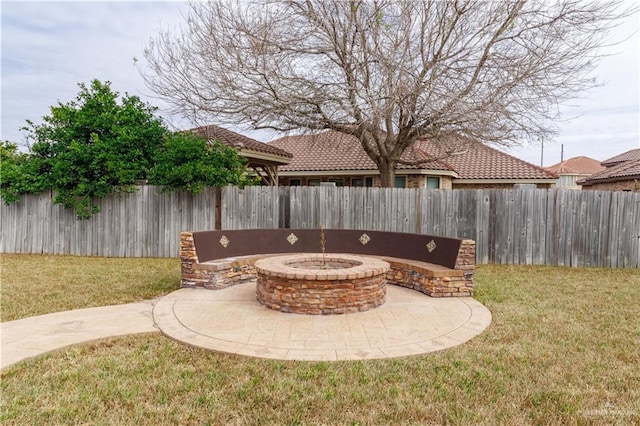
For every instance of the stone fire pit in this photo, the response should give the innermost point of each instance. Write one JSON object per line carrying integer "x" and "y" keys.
{"x": 319, "y": 284}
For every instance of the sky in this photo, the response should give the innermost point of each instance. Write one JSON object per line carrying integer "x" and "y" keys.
{"x": 50, "y": 47}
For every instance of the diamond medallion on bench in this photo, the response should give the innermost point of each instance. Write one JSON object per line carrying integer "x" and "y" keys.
{"x": 292, "y": 238}
{"x": 364, "y": 239}
{"x": 224, "y": 241}
{"x": 431, "y": 246}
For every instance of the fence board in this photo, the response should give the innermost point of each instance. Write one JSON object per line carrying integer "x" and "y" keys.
{"x": 539, "y": 244}
{"x": 621, "y": 231}
{"x": 634, "y": 252}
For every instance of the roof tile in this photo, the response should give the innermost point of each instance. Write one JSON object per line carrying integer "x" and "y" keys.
{"x": 236, "y": 140}
{"x": 576, "y": 166}
{"x": 474, "y": 160}
{"x": 633, "y": 154}
{"x": 332, "y": 150}
{"x": 621, "y": 171}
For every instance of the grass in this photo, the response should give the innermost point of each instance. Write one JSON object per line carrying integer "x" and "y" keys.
{"x": 563, "y": 348}
{"x": 36, "y": 285}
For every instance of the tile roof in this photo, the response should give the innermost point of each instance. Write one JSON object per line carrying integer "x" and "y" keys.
{"x": 622, "y": 171}
{"x": 236, "y": 140}
{"x": 633, "y": 154}
{"x": 333, "y": 150}
{"x": 576, "y": 166}
{"x": 475, "y": 160}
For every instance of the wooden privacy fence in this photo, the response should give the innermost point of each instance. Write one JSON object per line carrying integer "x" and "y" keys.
{"x": 510, "y": 226}
{"x": 140, "y": 224}
{"x": 520, "y": 226}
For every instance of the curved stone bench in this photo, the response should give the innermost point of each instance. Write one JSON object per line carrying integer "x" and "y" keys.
{"x": 436, "y": 266}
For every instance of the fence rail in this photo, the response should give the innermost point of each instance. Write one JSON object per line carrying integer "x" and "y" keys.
{"x": 515, "y": 226}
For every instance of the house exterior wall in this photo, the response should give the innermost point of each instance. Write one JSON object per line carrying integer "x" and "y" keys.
{"x": 413, "y": 181}
{"x": 457, "y": 185}
{"x": 446, "y": 182}
{"x": 624, "y": 185}
{"x": 305, "y": 180}
{"x": 420, "y": 181}
{"x": 417, "y": 181}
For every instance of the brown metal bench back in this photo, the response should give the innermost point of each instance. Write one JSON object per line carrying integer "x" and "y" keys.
{"x": 211, "y": 245}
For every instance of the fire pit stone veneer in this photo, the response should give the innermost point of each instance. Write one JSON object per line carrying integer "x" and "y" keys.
{"x": 318, "y": 285}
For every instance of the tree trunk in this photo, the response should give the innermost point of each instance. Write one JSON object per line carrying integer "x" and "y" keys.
{"x": 387, "y": 173}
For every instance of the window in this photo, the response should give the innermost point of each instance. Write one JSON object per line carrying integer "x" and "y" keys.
{"x": 401, "y": 182}
{"x": 294, "y": 182}
{"x": 337, "y": 181}
{"x": 314, "y": 182}
{"x": 433, "y": 182}
{"x": 368, "y": 181}
{"x": 356, "y": 181}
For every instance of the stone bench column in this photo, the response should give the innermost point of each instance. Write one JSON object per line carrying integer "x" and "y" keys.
{"x": 466, "y": 262}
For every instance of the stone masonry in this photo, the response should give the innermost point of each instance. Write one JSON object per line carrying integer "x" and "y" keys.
{"x": 466, "y": 262}
{"x": 433, "y": 280}
{"x": 314, "y": 285}
{"x": 215, "y": 274}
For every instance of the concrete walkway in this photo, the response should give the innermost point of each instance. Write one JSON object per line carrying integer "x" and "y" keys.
{"x": 231, "y": 320}
{"x": 32, "y": 336}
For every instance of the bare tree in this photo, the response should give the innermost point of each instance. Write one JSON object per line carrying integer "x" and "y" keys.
{"x": 386, "y": 71}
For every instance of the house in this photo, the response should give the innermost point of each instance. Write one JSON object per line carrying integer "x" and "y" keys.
{"x": 632, "y": 154}
{"x": 621, "y": 173}
{"x": 339, "y": 159}
{"x": 576, "y": 168}
{"x": 264, "y": 159}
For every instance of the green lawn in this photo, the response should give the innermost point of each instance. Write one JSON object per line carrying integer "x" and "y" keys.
{"x": 36, "y": 285}
{"x": 563, "y": 348}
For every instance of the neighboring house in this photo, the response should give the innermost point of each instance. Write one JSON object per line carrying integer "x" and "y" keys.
{"x": 263, "y": 158}
{"x": 576, "y": 168}
{"x": 339, "y": 159}
{"x": 633, "y": 154}
{"x": 622, "y": 173}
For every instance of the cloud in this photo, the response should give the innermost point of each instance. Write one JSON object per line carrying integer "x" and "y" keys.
{"x": 49, "y": 47}
{"x": 604, "y": 121}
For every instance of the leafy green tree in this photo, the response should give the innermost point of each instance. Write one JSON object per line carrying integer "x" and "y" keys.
{"x": 95, "y": 145}
{"x": 21, "y": 173}
{"x": 10, "y": 171}
{"x": 188, "y": 162}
